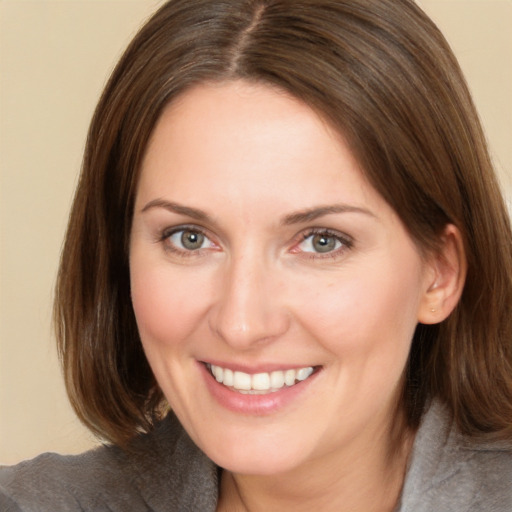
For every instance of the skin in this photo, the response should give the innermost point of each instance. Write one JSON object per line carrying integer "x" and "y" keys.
{"x": 257, "y": 293}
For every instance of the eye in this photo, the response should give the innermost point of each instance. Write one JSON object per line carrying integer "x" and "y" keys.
{"x": 323, "y": 242}
{"x": 186, "y": 240}
{"x": 320, "y": 243}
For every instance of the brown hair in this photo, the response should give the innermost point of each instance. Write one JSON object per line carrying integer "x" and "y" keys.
{"x": 382, "y": 74}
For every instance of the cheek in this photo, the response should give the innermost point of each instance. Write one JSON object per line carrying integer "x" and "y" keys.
{"x": 372, "y": 311}
{"x": 168, "y": 306}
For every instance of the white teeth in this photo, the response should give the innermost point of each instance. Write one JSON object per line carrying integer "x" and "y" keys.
{"x": 259, "y": 382}
{"x": 228, "y": 377}
{"x": 276, "y": 380}
{"x": 242, "y": 380}
{"x": 218, "y": 373}
{"x": 289, "y": 377}
{"x": 304, "y": 373}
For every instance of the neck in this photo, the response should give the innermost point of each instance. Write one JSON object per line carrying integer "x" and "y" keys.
{"x": 368, "y": 478}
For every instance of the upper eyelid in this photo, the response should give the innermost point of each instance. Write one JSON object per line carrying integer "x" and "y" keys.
{"x": 216, "y": 234}
{"x": 302, "y": 235}
{"x": 347, "y": 243}
{"x": 165, "y": 234}
{"x": 329, "y": 231}
{"x": 168, "y": 231}
{"x": 303, "y": 232}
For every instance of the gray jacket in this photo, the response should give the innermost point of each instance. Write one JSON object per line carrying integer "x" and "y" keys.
{"x": 167, "y": 472}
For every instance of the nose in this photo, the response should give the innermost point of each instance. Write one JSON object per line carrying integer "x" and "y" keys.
{"x": 250, "y": 309}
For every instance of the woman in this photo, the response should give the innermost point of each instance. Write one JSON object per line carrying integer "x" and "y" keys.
{"x": 288, "y": 233}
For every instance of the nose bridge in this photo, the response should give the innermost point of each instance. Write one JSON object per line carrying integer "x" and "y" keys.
{"x": 249, "y": 310}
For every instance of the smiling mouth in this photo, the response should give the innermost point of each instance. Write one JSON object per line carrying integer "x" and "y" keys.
{"x": 259, "y": 383}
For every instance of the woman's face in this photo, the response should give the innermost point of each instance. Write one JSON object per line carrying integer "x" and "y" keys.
{"x": 261, "y": 254}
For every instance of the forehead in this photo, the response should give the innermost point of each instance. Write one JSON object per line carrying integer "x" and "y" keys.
{"x": 228, "y": 115}
{"x": 251, "y": 145}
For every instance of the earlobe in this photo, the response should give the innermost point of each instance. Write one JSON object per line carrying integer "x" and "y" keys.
{"x": 445, "y": 278}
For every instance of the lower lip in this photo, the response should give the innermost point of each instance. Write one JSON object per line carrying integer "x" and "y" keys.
{"x": 255, "y": 405}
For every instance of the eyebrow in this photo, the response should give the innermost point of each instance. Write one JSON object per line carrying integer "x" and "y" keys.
{"x": 194, "y": 213}
{"x": 298, "y": 217}
{"x": 319, "y": 211}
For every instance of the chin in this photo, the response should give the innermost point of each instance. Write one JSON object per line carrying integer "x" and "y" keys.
{"x": 264, "y": 456}
{"x": 257, "y": 465}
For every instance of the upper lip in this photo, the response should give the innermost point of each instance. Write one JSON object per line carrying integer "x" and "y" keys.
{"x": 257, "y": 368}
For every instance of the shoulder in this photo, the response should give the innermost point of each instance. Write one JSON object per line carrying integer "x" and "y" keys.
{"x": 448, "y": 471}
{"x": 163, "y": 470}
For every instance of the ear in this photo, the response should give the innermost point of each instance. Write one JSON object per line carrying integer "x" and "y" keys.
{"x": 444, "y": 278}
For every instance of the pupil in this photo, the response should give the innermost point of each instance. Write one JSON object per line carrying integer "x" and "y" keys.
{"x": 192, "y": 240}
{"x": 323, "y": 243}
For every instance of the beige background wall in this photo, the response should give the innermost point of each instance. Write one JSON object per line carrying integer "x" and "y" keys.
{"x": 55, "y": 56}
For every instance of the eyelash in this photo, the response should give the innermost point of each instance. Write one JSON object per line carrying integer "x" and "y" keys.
{"x": 166, "y": 234}
{"x": 346, "y": 242}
